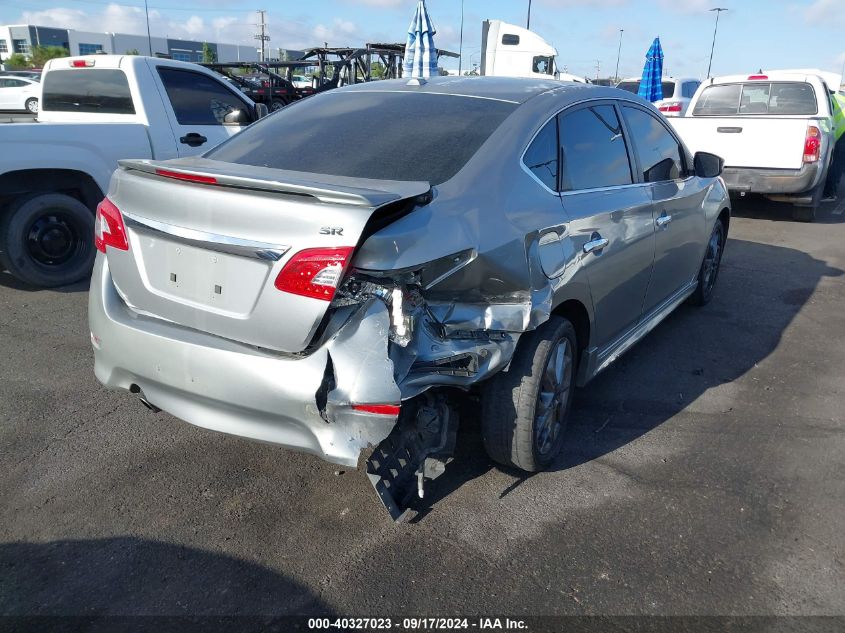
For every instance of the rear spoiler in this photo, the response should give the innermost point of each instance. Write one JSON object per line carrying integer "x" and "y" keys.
{"x": 359, "y": 192}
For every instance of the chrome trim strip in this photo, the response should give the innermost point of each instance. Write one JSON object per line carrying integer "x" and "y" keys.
{"x": 209, "y": 241}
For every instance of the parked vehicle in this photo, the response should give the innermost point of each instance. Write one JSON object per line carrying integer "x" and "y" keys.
{"x": 508, "y": 50}
{"x": 94, "y": 111}
{"x": 335, "y": 296}
{"x": 774, "y": 130}
{"x": 19, "y": 93}
{"x": 677, "y": 93}
{"x": 28, "y": 74}
{"x": 301, "y": 81}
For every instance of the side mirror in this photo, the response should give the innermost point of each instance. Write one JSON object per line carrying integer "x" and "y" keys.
{"x": 707, "y": 165}
{"x": 261, "y": 110}
{"x": 237, "y": 117}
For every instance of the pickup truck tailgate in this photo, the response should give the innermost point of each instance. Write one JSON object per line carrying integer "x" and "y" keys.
{"x": 758, "y": 142}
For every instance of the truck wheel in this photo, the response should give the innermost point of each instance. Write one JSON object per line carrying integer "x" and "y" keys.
{"x": 277, "y": 104}
{"x": 32, "y": 105}
{"x": 709, "y": 271}
{"x": 47, "y": 239}
{"x": 525, "y": 410}
{"x": 804, "y": 214}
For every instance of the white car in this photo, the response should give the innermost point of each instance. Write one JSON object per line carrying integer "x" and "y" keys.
{"x": 301, "y": 81}
{"x": 19, "y": 93}
{"x": 677, "y": 93}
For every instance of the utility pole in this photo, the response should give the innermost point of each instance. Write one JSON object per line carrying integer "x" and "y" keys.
{"x": 718, "y": 10}
{"x": 149, "y": 37}
{"x": 262, "y": 36}
{"x": 618, "y": 55}
{"x": 528, "y": 23}
{"x": 598, "y": 68}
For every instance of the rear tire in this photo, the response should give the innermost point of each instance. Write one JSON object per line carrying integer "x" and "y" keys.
{"x": 47, "y": 240}
{"x": 804, "y": 214}
{"x": 525, "y": 410}
{"x": 277, "y": 104}
{"x": 32, "y": 105}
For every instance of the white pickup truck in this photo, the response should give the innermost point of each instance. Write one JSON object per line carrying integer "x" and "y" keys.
{"x": 774, "y": 130}
{"x": 96, "y": 110}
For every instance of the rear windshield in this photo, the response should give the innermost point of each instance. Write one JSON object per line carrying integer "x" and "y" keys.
{"x": 382, "y": 135}
{"x": 634, "y": 86}
{"x": 757, "y": 97}
{"x": 101, "y": 90}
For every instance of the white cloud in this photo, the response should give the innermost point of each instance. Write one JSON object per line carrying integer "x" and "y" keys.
{"x": 822, "y": 11}
{"x": 338, "y": 33}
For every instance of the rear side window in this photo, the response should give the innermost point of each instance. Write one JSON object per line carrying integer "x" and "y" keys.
{"x": 757, "y": 98}
{"x": 657, "y": 150}
{"x": 541, "y": 158}
{"x": 593, "y": 149}
{"x": 634, "y": 87}
{"x": 198, "y": 99}
{"x": 370, "y": 134}
{"x": 101, "y": 90}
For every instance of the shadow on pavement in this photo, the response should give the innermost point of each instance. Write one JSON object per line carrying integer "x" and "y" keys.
{"x": 757, "y": 207}
{"x": 693, "y": 350}
{"x": 131, "y": 576}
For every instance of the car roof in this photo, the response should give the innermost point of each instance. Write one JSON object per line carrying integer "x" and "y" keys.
{"x": 513, "y": 89}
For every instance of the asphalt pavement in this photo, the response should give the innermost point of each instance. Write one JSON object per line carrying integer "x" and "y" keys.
{"x": 703, "y": 474}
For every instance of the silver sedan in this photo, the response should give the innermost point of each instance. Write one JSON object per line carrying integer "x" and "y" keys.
{"x": 336, "y": 276}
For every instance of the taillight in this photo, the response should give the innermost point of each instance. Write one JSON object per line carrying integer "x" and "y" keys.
{"x": 670, "y": 107}
{"x": 812, "y": 145}
{"x": 109, "y": 229}
{"x": 178, "y": 175}
{"x": 314, "y": 272}
{"x": 81, "y": 63}
{"x": 757, "y": 77}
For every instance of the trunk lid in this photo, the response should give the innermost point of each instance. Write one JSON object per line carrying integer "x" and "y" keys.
{"x": 748, "y": 141}
{"x": 206, "y": 254}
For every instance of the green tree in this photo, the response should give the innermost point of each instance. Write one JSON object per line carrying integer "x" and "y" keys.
{"x": 377, "y": 70}
{"x": 17, "y": 62}
{"x": 133, "y": 51}
{"x": 209, "y": 55}
{"x": 40, "y": 55}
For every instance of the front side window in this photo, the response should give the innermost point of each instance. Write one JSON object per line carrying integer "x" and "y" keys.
{"x": 544, "y": 65}
{"x": 421, "y": 137}
{"x": 198, "y": 99}
{"x": 101, "y": 90}
{"x": 658, "y": 152}
{"x": 593, "y": 149}
{"x": 541, "y": 158}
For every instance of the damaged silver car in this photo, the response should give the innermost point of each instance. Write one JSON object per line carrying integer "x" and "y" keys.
{"x": 335, "y": 277}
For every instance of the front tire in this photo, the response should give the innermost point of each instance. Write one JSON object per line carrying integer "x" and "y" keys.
{"x": 32, "y": 105}
{"x": 47, "y": 240}
{"x": 525, "y": 410}
{"x": 709, "y": 271}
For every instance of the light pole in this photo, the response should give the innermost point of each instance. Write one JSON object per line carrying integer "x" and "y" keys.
{"x": 618, "y": 55}
{"x": 461, "y": 45}
{"x": 718, "y": 10}
{"x": 528, "y": 23}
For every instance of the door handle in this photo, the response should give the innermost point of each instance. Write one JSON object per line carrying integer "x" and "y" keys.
{"x": 663, "y": 221}
{"x": 193, "y": 139}
{"x": 596, "y": 244}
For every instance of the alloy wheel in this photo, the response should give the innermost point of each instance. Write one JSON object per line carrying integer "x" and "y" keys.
{"x": 553, "y": 400}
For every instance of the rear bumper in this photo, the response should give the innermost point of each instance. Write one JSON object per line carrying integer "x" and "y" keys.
{"x": 302, "y": 402}
{"x": 772, "y": 181}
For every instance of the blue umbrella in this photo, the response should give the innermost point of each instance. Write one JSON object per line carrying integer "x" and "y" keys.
{"x": 651, "y": 85}
{"x": 420, "y": 52}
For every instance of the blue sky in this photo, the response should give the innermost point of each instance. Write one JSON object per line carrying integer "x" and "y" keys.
{"x": 753, "y": 34}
